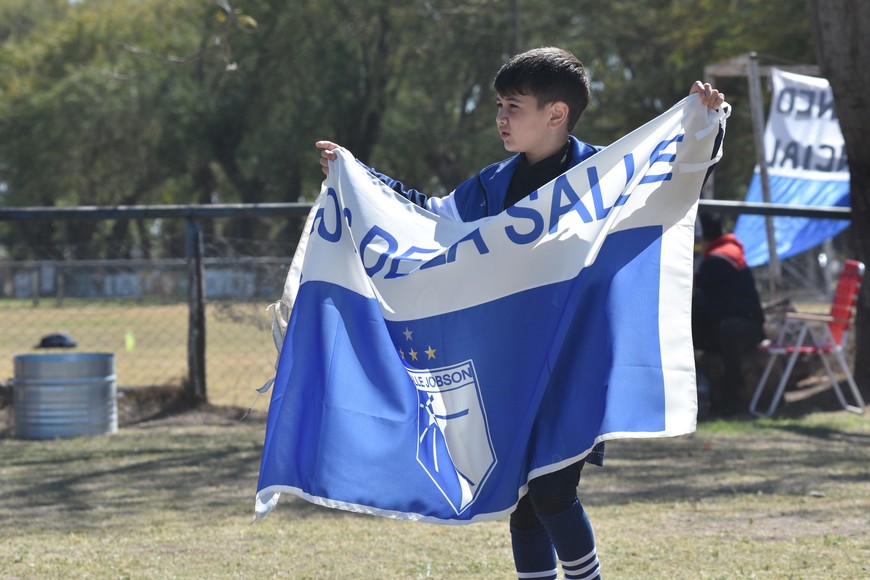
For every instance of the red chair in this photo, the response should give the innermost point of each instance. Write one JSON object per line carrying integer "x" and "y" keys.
{"x": 825, "y": 335}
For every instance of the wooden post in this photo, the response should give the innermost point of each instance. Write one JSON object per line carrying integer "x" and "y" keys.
{"x": 59, "y": 283}
{"x": 515, "y": 8}
{"x": 35, "y": 283}
{"x": 761, "y": 158}
{"x": 195, "y": 388}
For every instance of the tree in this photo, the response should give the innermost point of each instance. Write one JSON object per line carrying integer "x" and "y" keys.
{"x": 443, "y": 110}
{"x": 107, "y": 102}
{"x": 643, "y": 56}
{"x": 839, "y": 28}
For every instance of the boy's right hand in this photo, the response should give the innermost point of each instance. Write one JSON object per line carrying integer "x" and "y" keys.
{"x": 711, "y": 98}
{"x": 327, "y": 154}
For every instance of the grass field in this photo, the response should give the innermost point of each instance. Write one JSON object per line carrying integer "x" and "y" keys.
{"x": 171, "y": 494}
{"x": 173, "y": 498}
{"x": 149, "y": 342}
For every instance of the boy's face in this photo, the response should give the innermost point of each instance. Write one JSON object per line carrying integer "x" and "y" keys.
{"x": 526, "y": 128}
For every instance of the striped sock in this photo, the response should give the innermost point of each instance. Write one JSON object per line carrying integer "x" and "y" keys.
{"x": 571, "y": 534}
{"x": 534, "y": 557}
{"x": 586, "y": 568}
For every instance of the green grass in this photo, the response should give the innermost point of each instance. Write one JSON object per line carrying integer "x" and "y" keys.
{"x": 786, "y": 498}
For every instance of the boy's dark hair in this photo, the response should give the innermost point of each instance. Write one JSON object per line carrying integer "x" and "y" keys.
{"x": 549, "y": 74}
{"x": 711, "y": 226}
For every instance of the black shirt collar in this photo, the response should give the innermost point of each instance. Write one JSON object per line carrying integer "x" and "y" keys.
{"x": 527, "y": 178}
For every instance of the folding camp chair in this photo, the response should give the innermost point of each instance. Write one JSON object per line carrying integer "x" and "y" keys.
{"x": 805, "y": 333}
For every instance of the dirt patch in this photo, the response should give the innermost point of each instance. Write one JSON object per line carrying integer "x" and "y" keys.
{"x": 146, "y": 406}
{"x": 170, "y": 404}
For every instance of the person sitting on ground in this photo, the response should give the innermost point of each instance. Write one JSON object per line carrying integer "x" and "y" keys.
{"x": 727, "y": 316}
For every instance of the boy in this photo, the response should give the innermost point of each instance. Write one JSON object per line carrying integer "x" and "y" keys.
{"x": 540, "y": 95}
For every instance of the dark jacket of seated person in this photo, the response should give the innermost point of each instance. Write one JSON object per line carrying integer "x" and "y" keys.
{"x": 724, "y": 290}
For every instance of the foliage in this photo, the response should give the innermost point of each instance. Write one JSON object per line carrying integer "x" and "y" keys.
{"x": 177, "y": 101}
{"x": 645, "y": 56}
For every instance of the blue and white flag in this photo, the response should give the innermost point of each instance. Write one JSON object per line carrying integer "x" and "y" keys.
{"x": 806, "y": 165}
{"x": 431, "y": 367}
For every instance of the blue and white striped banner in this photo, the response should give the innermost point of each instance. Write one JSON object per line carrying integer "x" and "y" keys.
{"x": 806, "y": 165}
{"x": 431, "y": 367}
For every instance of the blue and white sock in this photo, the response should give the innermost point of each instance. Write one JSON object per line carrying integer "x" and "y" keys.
{"x": 571, "y": 534}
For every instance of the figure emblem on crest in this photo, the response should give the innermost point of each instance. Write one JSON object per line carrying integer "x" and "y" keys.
{"x": 454, "y": 445}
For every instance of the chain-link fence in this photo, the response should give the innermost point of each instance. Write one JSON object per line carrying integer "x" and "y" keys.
{"x": 140, "y": 309}
{"x": 809, "y": 277}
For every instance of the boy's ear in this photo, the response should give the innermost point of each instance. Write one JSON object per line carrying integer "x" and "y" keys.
{"x": 558, "y": 113}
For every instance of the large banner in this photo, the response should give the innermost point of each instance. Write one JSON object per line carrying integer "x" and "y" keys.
{"x": 430, "y": 367}
{"x": 806, "y": 164}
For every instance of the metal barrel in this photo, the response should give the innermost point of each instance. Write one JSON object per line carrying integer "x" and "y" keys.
{"x": 64, "y": 395}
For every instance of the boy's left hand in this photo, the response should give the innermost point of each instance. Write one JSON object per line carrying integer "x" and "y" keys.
{"x": 712, "y": 98}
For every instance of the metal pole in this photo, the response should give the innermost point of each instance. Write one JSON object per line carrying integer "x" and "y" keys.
{"x": 761, "y": 158}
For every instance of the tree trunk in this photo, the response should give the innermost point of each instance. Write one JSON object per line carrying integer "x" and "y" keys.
{"x": 839, "y": 29}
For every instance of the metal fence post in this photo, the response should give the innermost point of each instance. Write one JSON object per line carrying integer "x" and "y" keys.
{"x": 195, "y": 387}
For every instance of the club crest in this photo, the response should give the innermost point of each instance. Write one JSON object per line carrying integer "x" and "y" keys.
{"x": 453, "y": 445}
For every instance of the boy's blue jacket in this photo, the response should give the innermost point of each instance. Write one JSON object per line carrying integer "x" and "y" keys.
{"x": 484, "y": 194}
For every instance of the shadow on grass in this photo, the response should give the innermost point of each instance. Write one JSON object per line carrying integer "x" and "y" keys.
{"x": 219, "y": 479}
{"x": 813, "y": 395}
{"x": 743, "y": 456}
{"x": 754, "y": 458}
{"x": 171, "y": 456}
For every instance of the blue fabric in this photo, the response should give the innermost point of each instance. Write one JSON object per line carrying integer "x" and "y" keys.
{"x": 491, "y": 184}
{"x": 432, "y": 368}
{"x": 485, "y": 194}
{"x": 794, "y": 235}
{"x": 358, "y": 446}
